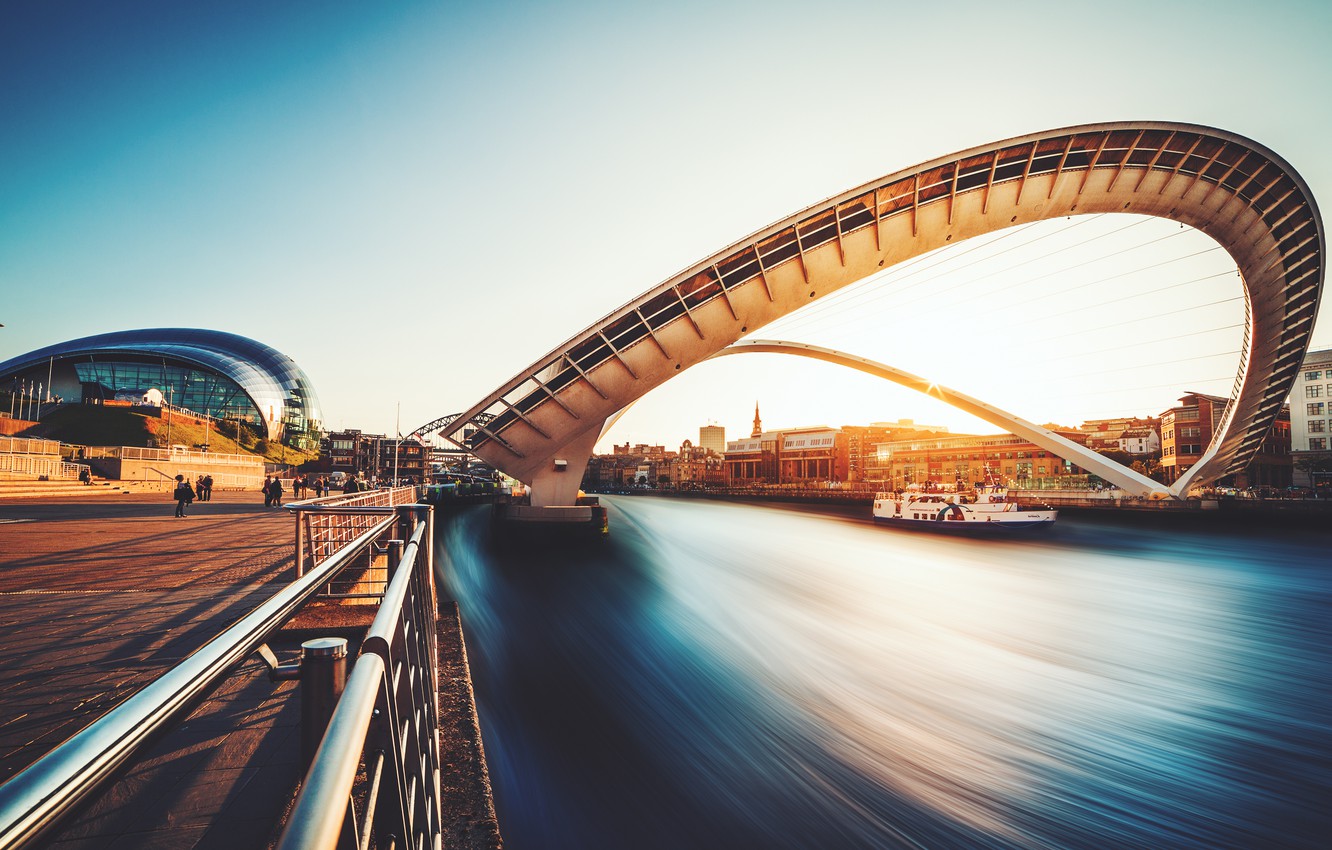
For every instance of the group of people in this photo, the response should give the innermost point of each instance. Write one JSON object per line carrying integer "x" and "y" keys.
{"x": 272, "y": 491}
{"x": 186, "y": 493}
{"x": 300, "y": 484}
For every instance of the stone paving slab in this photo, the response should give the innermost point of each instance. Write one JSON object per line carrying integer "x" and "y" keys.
{"x": 98, "y": 598}
{"x": 223, "y": 779}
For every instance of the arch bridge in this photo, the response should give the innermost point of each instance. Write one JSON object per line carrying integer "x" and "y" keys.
{"x": 541, "y": 425}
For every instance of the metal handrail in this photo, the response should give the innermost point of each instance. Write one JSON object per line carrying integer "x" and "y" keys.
{"x": 324, "y": 525}
{"x": 386, "y": 717}
{"x": 52, "y": 466}
{"x": 37, "y": 799}
{"x": 316, "y": 820}
{"x": 29, "y": 446}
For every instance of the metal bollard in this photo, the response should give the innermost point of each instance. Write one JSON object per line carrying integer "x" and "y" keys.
{"x": 323, "y": 676}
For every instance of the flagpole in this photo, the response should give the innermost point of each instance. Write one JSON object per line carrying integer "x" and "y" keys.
{"x": 397, "y": 445}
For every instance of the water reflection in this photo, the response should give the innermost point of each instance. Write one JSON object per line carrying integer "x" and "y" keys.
{"x": 721, "y": 675}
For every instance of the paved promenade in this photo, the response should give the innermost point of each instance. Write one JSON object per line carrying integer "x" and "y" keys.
{"x": 97, "y": 598}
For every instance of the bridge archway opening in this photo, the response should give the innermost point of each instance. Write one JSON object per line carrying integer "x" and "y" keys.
{"x": 1235, "y": 190}
{"x": 1119, "y": 315}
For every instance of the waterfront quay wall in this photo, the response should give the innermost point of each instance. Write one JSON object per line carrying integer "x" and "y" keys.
{"x": 128, "y": 463}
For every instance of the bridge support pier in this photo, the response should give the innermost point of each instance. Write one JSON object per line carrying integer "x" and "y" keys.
{"x": 557, "y": 483}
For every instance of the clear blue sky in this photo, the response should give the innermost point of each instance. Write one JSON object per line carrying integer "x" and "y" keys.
{"x": 416, "y": 200}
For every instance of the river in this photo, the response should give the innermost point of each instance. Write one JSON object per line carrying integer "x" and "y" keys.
{"x": 719, "y": 675}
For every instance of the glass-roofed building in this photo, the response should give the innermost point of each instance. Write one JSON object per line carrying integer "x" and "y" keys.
{"x": 218, "y": 374}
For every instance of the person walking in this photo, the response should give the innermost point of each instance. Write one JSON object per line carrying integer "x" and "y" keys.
{"x": 184, "y": 494}
{"x": 267, "y": 490}
{"x": 208, "y": 488}
{"x": 275, "y": 492}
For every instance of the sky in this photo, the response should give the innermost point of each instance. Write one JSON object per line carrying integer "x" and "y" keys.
{"x": 416, "y": 200}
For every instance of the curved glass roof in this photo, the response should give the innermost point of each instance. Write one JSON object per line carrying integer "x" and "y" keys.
{"x": 278, "y": 387}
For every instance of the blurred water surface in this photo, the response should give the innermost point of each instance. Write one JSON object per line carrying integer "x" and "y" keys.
{"x": 731, "y": 676}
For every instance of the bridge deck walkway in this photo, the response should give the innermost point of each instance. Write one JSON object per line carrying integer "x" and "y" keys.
{"x": 97, "y": 598}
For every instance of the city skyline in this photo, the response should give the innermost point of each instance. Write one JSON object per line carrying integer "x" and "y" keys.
{"x": 388, "y": 193}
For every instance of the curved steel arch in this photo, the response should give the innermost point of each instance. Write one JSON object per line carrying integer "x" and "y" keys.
{"x": 1126, "y": 479}
{"x": 438, "y": 425}
{"x": 1236, "y": 191}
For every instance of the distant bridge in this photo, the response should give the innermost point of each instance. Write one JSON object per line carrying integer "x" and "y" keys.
{"x": 541, "y": 425}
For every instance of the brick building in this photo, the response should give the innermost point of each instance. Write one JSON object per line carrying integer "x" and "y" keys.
{"x": 695, "y": 467}
{"x": 966, "y": 459}
{"x": 1186, "y": 432}
{"x": 371, "y": 455}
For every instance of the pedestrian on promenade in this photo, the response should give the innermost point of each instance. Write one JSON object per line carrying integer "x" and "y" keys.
{"x": 184, "y": 494}
{"x": 200, "y": 490}
{"x": 319, "y": 487}
{"x": 267, "y": 490}
{"x": 208, "y": 489}
{"x": 275, "y": 491}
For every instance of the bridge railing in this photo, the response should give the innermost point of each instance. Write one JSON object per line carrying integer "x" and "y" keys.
{"x": 44, "y": 795}
{"x": 376, "y": 774}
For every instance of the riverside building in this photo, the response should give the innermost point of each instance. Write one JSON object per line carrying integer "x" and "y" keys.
{"x": 966, "y": 459}
{"x": 212, "y": 373}
{"x": 1311, "y": 417}
{"x": 1186, "y": 432}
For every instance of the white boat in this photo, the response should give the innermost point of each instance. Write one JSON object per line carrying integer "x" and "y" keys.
{"x": 987, "y": 510}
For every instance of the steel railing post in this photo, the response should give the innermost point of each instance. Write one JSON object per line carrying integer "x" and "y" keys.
{"x": 395, "y": 548}
{"x": 300, "y": 545}
{"x": 323, "y": 677}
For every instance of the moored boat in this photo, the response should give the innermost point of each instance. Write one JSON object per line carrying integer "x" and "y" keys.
{"x": 986, "y": 510}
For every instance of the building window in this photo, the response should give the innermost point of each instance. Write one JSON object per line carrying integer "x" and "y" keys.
{"x": 1317, "y": 426}
{"x": 1313, "y": 391}
{"x": 1190, "y": 431}
{"x": 1312, "y": 376}
{"x": 1318, "y": 444}
{"x": 1313, "y": 408}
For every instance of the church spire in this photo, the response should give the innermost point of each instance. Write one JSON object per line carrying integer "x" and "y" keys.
{"x": 758, "y": 423}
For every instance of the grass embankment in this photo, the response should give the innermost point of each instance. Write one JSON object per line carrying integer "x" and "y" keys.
{"x": 94, "y": 425}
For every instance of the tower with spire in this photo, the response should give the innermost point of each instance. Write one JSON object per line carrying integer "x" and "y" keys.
{"x": 758, "y": 423}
